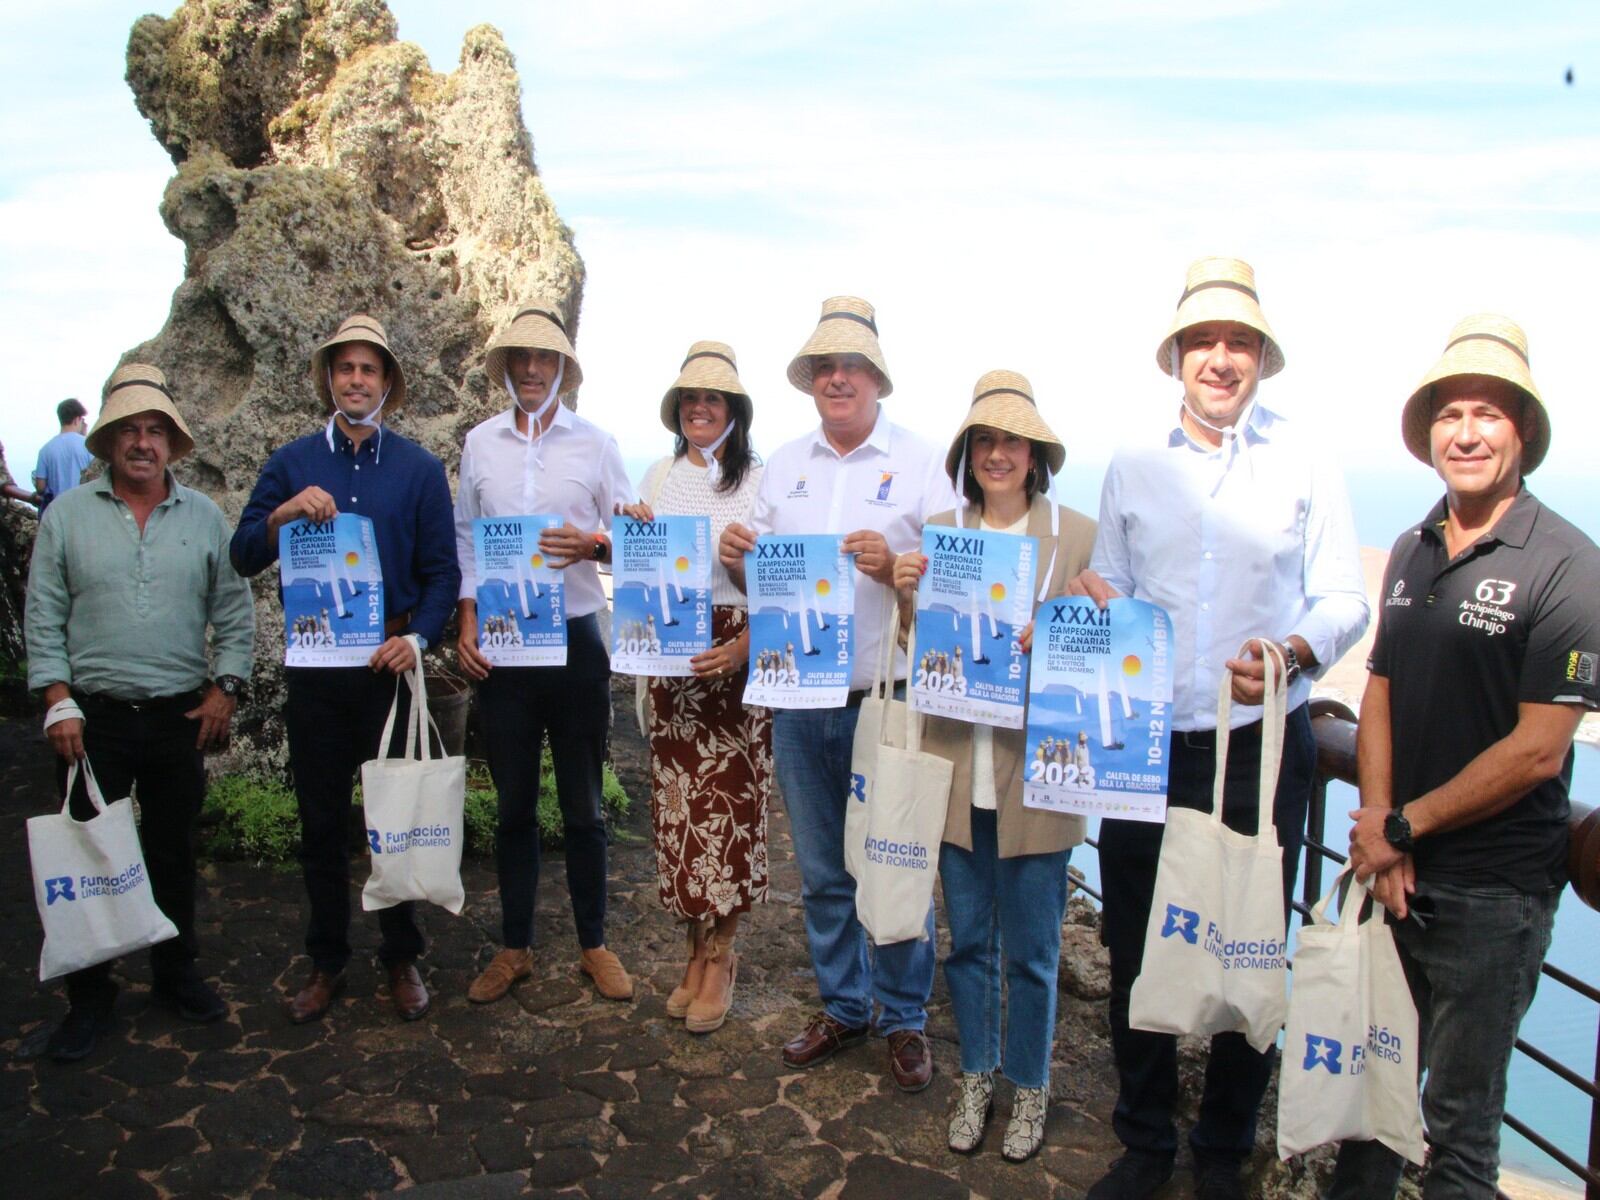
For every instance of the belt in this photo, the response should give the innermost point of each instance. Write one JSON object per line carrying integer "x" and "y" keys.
{"x": 854, "y": 698}
{"x": 1206, "y": 739}
{"x": 99, "y": 701}
{"x": 396, "y": 625}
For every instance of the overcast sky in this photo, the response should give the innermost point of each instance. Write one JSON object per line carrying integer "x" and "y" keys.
{"x": 1013, "y": 185}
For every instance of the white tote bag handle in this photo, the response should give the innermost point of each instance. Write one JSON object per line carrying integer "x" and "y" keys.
{"x": 90, "y": 785}
{"x": 419, "y": 720}
{"x": 913, "y": 717}
{"x": 1272, "y": 720}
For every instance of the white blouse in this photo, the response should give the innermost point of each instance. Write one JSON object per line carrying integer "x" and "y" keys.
{"x": 677, "y": 487}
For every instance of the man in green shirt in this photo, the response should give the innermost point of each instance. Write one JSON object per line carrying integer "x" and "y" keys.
{"x": 127, "y": 573}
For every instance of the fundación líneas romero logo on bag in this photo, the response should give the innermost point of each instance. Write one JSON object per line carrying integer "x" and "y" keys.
{"x": 419, "y": 837}
{"x": 897, "y": 854}
{"x": 91, "y": 887}
{"x": 1246, "y": 954}
{"x": 1324, "y": 1052}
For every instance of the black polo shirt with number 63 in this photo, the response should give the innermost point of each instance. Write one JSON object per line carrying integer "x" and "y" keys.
{"x": 1514, "y": 618}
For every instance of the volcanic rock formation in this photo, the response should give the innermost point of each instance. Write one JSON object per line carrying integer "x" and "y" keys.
{"x": 323, "y": 169}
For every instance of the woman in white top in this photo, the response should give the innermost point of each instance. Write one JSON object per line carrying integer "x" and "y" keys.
{"x": 1003, "y": 867}
{"x": 711, "y": 757}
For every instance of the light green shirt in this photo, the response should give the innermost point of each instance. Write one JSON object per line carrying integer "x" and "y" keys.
{"x": 116, "y": 612}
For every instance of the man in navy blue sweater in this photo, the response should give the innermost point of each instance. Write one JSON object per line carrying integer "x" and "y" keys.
{"x": 335, "y": 715}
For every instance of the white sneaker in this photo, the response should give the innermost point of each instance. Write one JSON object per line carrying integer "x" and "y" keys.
{"x": 973, "y": 1106}
{"x": 1025, "y": 1131}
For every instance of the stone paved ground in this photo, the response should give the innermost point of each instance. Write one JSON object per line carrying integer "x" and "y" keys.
{"x": 554, "y": 1092}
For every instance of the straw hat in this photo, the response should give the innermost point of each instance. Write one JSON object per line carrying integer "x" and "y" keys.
{"x": 1004, "y": 400}
{"x": 359, "y": 328}
{"x": 847, "y": 326}
{"x": 1221, "y": 289}
{"x": 1482, "y": 344}
{"x": 133, "y": 389}
{"x": 709, "y": 365}
{"x": 538, "y": 325}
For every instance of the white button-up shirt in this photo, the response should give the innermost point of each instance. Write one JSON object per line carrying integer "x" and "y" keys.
{"x": 574, "y": 471}
{"x": 892, "y": 483}
{"x": 1253, "y": 539}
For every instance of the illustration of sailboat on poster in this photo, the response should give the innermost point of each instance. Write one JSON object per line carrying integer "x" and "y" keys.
{"x": 521, "y": 600}
{"x": 332, "y": 587}
{"x": 802, "y": 636}
{"x": 661, "y": 594}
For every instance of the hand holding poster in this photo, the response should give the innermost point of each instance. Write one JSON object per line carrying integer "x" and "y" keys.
{"x": 332, "y": 592}
{"x": 660, "y": 595}
{"x": 1098, "y": 709}
{"x": 974, "y": 599}
{"x": 802, "y": 630}
{"x": 522, "y": 612}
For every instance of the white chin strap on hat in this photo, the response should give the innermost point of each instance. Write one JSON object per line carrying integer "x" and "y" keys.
{"x": 555, "y": 394}
{"x": 709, "y": 453}
{"x": 532, "y": 462}
{"x": 1234, "y": 444}
{"x": 372, "y": 419}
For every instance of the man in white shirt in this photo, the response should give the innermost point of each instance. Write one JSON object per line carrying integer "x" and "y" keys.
{"x": 859, "y": 475}
{"x": 1241, "y": 531}
{"x": 539, "y": 456}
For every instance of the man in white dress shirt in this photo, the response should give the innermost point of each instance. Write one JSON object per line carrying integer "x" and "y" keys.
{"x": 1241, "y": 530}
{"x": 876, "y": 482}
{"x": 539, "y": 456}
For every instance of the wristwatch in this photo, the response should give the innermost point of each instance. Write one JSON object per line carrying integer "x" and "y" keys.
{"x": 1291, "y": 665}
{"x": 600, "y": 548}
{"x": 230, "y": 685}
{"x": 1397, "y": 831}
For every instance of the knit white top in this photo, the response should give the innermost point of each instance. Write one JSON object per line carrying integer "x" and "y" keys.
{"x": 677, "y": 487}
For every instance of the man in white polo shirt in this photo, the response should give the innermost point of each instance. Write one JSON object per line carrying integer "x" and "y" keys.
{"x": 860, "y": 475}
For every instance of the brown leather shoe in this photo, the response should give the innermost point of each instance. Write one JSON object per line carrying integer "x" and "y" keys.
{"x": 820, "y": 1040}
{"x": 406, "y": 990}
{"x": 910, "y": 1059}
{"x": 508, "y": 967}
{"x": 311, "y": 1002}
{"x": 605, "y": 968}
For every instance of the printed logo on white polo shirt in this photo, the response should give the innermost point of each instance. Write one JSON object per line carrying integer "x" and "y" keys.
{"x": 798, "y": 490}
{"x": 885, "y": 482}
{"x": 1395, "y": 598}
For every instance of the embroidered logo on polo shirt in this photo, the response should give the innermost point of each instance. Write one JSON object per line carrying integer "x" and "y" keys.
{"x": 1485, "y": 612}
{"x": 1396, "y": 600}
{"x": 1582, "y": 666}
{"x": 799, "y": 488}
{"x": 885, "y": 481}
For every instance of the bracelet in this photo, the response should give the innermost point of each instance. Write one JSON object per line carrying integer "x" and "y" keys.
{"x": 62, "y": 710}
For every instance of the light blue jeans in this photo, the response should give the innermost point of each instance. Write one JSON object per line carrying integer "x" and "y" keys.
{"x": 1472, "y": 973}
{"x": 1008, "y": 908}
{"x": 812, "y": 752}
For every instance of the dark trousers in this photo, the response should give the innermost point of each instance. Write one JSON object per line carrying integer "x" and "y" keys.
{"x": 335, "y": 721}
{"x": 1147, "y": 1063}
{"x": 151, "y": 747}
{"x": 518, "y": 706}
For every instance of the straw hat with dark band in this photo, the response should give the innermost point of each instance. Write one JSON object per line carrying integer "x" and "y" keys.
{"x": 712, "y": 366}
{"x": 538, "y": 325}
{"x": 359, "y": 328}
{"x": 1003, "y": 400}
{"x": 1221, "y": 289}
{"x": 134, "y": 389}
{"x": 847, "y": 326}
{"x": 1489, "y": 345}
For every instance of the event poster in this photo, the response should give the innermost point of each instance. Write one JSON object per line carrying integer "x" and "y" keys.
{"x": 1099, "y": 705}
{"x": 522, "y": 611}
{"x": 660, "y": 594}
{"x": 332, "y": 588}
{"x": 974, "y": 599}
{"x": 801, "y": 591}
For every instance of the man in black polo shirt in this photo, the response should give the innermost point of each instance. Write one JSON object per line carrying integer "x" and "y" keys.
{"x": 1486, "y": 658}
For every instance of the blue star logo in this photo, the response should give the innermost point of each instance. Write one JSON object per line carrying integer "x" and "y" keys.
{"x": 1323, "y": 1052}
{"x": 1181, "y": 922}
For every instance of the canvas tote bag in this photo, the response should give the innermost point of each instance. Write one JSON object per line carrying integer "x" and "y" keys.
{"x": 1214, "y": 946}
{"x": 414, "y": 809}
{"x": 1350, "y": 1050}
{"x": 908, "y": 793}
{"x": 881, "y": 716}
{"x": 90, "y": 883}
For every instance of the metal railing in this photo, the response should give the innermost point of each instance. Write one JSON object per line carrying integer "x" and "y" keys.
{"x": 1334, "y": 726}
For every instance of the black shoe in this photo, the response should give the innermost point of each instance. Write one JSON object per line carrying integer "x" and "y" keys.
{"x": 1218, "y": 1181}
{"x": 1137, "y": 1175}
{"x": 191, "y": 997}
{"x": 75, "y": 1037}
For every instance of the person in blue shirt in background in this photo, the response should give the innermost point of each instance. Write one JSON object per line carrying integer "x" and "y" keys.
{"x": 335, "y": 716}
{"x": 64, "y": 458}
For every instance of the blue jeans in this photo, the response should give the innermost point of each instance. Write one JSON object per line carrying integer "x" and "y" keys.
{"x": 811, "y": 749}
{"x": 1012, "y": 907}
{"x": 1472, "y": 973}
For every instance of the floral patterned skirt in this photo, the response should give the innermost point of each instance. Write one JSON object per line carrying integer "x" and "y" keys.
{"x": 711, "y": 777}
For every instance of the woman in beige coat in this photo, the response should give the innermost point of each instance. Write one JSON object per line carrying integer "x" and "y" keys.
{"x": 1003, "y": 867}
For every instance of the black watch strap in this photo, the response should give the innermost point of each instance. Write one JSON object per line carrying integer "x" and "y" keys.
{"x": 230, "y": 685}
{"x": 1397, "y": 831}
